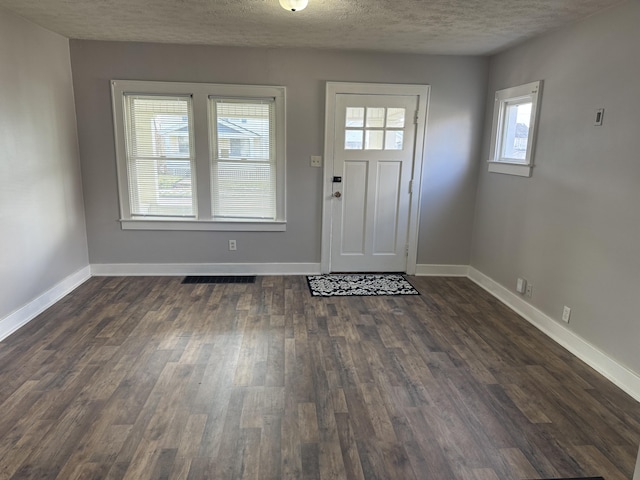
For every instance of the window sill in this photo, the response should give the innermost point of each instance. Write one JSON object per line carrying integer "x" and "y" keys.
{"x": 197, "y": 226}
{"x": 517, "y": 169}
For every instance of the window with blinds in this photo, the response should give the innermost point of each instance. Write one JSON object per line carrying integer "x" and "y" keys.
{"x": 199, "y": 156}
{"x": 159, "y": 155}
{"x": 243, "y": 163}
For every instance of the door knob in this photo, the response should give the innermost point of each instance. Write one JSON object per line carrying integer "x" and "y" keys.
{"x": 337, "y": 194}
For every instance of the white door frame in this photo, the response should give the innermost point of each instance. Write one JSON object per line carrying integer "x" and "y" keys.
{"x": 335, "y": 88}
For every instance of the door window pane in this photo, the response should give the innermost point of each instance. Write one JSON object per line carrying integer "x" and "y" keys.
{"x": 374, "y": 140}
{"x": 355, "y": 117}
{"x": 375, "y": 118}
{"x": 353, "y": 140}
{"x": 393, "y": 140}
{"x": 395, "y": 117}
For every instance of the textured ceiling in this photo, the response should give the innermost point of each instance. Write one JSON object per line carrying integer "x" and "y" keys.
{"x": 418, "y": 26}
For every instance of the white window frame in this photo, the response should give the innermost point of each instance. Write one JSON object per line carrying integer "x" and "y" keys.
{"x": 201, "y": 176}
{"x": 529, "y": 92}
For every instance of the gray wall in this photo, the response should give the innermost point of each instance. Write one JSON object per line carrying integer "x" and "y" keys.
{"x": 573, "y": 229}
{"x": 43, "y": 236}
{"x": 453, "y": 140}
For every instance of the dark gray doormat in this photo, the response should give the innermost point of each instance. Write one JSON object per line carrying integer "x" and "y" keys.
{"x": 577, "y": 478}
{"x": 220, "y": 279}
{"x": 361, "y": 284}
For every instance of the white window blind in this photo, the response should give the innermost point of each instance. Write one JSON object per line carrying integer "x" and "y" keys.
{"x": 159, "y": 149}
{"x": 243, "y": 158}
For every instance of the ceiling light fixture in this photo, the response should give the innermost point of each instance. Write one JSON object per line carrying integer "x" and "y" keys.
{"x": 294, "y": 5}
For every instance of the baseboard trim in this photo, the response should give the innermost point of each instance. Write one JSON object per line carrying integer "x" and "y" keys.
{"x": 426, "y": 270}
{"x": 620, "y": 375}
{"x": 167, "y": 269}
{"x": 35, "y": 307}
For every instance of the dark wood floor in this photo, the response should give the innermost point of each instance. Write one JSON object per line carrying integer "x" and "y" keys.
{"x": 147, "y": 378}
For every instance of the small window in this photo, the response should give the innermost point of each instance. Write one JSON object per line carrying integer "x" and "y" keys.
{"x": 375, "y": 133}
{"x": 513, "y": 132}
{"x": 165, "y": 156}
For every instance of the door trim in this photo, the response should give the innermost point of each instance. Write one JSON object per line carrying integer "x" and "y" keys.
{"x": 336, "y": 88}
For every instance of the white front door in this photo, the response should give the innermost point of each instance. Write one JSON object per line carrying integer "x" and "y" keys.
{"x": 373, "y": 162}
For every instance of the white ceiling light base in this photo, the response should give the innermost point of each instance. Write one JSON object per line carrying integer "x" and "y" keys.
{"x": 294, "y": 5}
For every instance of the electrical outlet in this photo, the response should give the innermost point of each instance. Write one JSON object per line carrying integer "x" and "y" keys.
{"x": 232, "y": 245}
{"x": 566, "y": 314}
{"x": 529, "y": 291}
{"x": 521, "y": 285}
{"x": 316, "y": 161}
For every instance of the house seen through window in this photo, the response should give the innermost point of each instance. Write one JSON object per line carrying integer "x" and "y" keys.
{"x": 159, "y": 156}
{"x": 161, "y": 177}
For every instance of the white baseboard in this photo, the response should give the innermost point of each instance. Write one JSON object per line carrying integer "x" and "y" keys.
{"x": 426, "y": 270}
{"x": 165, "y": 269}
{"x": 620, "y": 375}
{"x": 35, "y": 307}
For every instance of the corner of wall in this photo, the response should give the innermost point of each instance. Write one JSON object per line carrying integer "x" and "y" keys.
{"x": 617, "y": 373}
{"x": 17, "y": 319}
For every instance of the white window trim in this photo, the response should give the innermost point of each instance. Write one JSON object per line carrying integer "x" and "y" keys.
{"x": 529, "y": 91}
{"x": 200, "y": 93}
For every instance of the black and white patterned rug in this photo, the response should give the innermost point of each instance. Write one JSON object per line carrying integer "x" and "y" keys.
{"x": 365, "y": 284}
